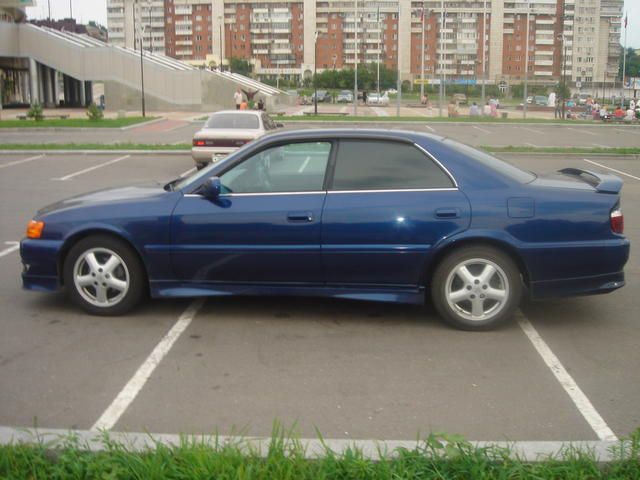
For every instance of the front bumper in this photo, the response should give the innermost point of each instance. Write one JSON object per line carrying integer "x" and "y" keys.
{"x": 40, "y": 264}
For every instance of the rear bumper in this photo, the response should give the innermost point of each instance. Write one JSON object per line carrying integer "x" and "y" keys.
{"x": 203, "y": 155}
{"x": 568, "y": 287}
{"x": 40, "y": 264}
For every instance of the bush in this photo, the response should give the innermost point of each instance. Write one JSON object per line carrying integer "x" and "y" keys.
{"x": 36, "y": 112}
{"x": 94, "y": 113}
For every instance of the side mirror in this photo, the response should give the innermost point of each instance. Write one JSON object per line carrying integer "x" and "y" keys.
{"x": 211, "y": 188}
{"x": 279, "y": 125}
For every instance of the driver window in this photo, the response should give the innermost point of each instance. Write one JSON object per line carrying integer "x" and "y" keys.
{"x": 295, "y": 167}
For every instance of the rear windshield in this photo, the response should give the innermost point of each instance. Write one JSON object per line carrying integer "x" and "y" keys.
{"x": 500, "y": 166}
{"x": 232, "y": 120}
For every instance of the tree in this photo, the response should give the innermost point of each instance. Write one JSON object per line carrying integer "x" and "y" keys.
{"x": 241, "y": 66}
{"x": 633, "y": 64}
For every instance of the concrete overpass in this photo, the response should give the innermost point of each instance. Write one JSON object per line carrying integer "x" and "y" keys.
{"x": 56, "y": 68}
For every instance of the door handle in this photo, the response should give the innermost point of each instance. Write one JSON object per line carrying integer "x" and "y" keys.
{"x": 300, "y": 216}
{"x": 448, "y": 213}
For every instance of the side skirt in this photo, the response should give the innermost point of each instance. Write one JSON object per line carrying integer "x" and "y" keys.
{"x": 396, "y": 294}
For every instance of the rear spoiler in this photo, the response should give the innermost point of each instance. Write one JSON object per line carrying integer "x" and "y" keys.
{"x": 602, "y": 182}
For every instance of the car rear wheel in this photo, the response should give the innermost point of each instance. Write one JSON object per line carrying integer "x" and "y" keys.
{"x": 476, "y": 288}
{"x": 104, "y": 276}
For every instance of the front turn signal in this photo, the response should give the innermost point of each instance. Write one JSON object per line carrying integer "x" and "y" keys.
{"x": 34, "y": 229}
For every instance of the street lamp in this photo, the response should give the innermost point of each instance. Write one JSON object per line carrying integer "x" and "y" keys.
{"x": 355, "y": 83}
{"x": 220, "y": 39}
{"x": 526, "y": 64}
{"x": 315, "y": 75}
{"x": 423, "y": 15}
{"x": 484, "y": 53}
{"x": 140, "y": 36}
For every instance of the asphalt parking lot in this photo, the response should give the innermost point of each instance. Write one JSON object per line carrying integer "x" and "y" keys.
{"x": 351, "y": 369}
{"x": 534, "y": 135}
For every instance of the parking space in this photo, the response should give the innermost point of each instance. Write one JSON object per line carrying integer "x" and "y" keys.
{"x": 351, "y": 369}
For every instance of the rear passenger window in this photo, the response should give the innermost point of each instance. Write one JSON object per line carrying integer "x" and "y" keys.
{"x": 382, "y": 165}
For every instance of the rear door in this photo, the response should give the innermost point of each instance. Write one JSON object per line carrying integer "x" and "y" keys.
{"x": 388, "y": 204}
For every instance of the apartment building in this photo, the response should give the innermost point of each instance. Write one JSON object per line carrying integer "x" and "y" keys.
{"x": 465, "y": 41}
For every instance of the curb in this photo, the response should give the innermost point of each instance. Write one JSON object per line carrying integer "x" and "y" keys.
{"x": 80, "y": 129}
{"x": 428, "y": 122}
{"x": 96, "y": 152}
{"x": 530, "y": 451}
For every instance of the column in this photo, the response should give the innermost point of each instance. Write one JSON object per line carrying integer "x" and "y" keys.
{"x": 83, "y": 93}
{"x": 56, "y": 87}
{"x": 49, "y": 86}
{"x": 33, "y": 78}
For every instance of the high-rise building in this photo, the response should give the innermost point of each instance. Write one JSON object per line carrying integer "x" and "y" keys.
{"x": 465, "y": 41}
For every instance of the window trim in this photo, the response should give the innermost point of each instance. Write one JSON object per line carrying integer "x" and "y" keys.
{"x": 428, "y": 155}
{"x": 333, "y": 146}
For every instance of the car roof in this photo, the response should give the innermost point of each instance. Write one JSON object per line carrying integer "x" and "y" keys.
{"x": 239, "y": 112}
{"x": 361, "y": 133}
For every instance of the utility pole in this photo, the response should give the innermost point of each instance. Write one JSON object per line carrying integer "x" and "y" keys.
{"x": 424, "y": 6}
{"x": 564, "y": 62}
{"x": 441, "y": 58}
{"x": 398, "y": 81}
{"x": 315, "y": 75}
{"x": 484, "y": 53}
{"x": 141, "y": 36}
{"x": 526, "y": 63}
{"x": 378, "y": 60}
{"x": 624, "y": 60}
{"x": 355, "y": 83}
{"x": 49, "y": 4}
{"x": 220, "y": 40}
{"x": 150, "y": 29}
{"x": 71, "y": 9}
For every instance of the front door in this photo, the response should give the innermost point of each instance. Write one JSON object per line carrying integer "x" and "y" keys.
{"x": 264, "y": 227}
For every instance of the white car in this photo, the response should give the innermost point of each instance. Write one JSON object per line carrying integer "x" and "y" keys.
{"x": 377, "y": 99}
{"x": 226, "y": 131}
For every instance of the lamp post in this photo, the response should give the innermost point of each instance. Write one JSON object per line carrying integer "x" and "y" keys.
{"x": 484, "y": 53}
{"x": 355, "y": 83}
{"x": 378, "y": 59}
{"x": 441, "y": 91}
{"x": 150, "y": 28}
{"x": 315, "y": 75}
{"x": 71, "y": 9}
{"x": 526, "y": 64}
{"x": 398, "y": 81}
{"x": 424, "y": 6}
{"x": 220, "y": 39}
{"x": 140, "y": 36}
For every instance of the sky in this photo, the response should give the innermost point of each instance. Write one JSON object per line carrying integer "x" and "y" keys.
{"x": 86, "y": 10}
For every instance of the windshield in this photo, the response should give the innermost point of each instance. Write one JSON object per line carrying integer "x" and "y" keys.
{"x": 500, "y": 166}
{"x": 233, "y": 120}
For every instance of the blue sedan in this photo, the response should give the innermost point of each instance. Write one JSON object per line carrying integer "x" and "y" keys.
{"x": 361, "y": 214}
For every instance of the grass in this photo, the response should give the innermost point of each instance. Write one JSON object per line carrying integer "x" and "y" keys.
{"x": 94, "y": 146}
{"x": 439, "y": 457}
{"x": 579, "y": 150}
{"x": 75, "y": 123}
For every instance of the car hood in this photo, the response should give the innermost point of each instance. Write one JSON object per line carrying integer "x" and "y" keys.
{"x": 110, "y": 195}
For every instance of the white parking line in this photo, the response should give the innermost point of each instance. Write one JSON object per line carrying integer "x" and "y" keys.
{"x": 304, "y": 165}
{"x": 90, "y": 169}
{"x": 581, "y": 130}
{"x": 532, "y": 145}
{"x": 187, "y": 172}
{"x": 18, "y": 162}
{"x": 533, "y": 130}
{"x": 612, "y": 169}
{"x": 430, "y": 128}
{"x": 14, "y": 246}
{"x": 481, "y": 129}
{"x": 584, "y": 405}
{"x": 128, "y": 394}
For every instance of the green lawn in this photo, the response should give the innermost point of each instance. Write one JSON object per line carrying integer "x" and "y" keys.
{"x": 75, "y": 122}
{"x": 93, "y": 146}
{"x": 439, "y": 456}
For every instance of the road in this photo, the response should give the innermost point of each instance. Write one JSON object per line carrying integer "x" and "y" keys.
{"x": 351, "y": 369}
{"x": 536, "y": 135}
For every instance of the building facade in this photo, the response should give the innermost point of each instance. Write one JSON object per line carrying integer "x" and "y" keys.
{"x": 463, "y": 41}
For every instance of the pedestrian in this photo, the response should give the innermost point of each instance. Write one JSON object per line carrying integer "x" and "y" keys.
{"x": 237, "y": 98}
{"x": 474, "y": 110}
{"x": 243, "y": 105}
{"x": 632, "y": 104}
{"x": 364, "y": 97}
{"x": 486, "y": 111}
{"x": 557, "y": 113}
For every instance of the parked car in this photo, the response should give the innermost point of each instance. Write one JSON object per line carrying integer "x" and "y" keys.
{"x": 541, "y": 100}
{"x": 345, "y": 96}
{"x": 460, "y": 98}
{"x": 323, "y": 96}
{"x": 226, "y": 131}
{"x": 377, "y": 99}
{"x": 363, "y": 214}
{"x": 392, "y": 91}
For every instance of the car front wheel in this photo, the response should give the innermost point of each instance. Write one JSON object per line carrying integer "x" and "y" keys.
{"x": 476, "y": 288}
{"x": 104, "y": 276}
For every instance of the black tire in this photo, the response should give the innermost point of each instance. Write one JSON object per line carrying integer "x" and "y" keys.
{"x": 457, "y": 310}
{"x": 130, "y": 270}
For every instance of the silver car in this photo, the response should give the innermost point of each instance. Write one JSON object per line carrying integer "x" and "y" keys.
{"x": 226, "y": 131}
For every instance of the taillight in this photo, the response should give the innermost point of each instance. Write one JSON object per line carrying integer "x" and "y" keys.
{"x": 617, "y": 221}
{"x": 199, "y": 143}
